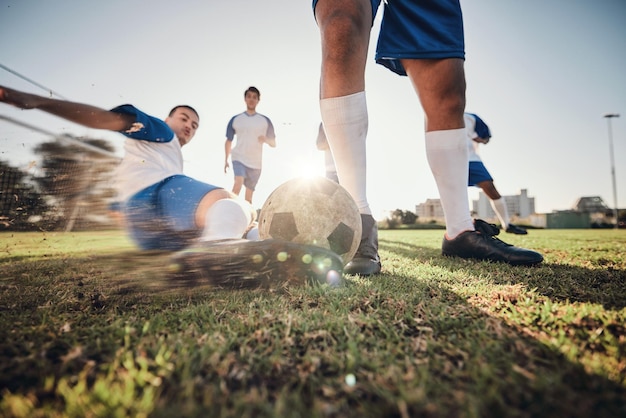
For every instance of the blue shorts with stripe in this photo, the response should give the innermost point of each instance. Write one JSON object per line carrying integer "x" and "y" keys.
{"x": 162, "y": 216}
{"x": 478, "y": 173}
{"x": 422, "y": 29}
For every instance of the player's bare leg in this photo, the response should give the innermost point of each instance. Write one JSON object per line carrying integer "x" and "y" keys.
{"x": 499, "y": 207}
{"x": 237, "y": 185}
{"x": 489, "y": 189}
{"x": 440, "y": 85}
{"x": 345, "y": 32}
{"x": 249, "y": 193}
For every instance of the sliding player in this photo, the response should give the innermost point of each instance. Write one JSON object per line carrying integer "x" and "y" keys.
{"x": 166, "y": 210}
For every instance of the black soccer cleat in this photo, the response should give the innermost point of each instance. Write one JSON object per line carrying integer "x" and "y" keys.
{"x": 486, "y": 228}
{"x": 514, "y": 229}
{"x": 366, "y": 261}
{"x": 244, "y": 264}
{"x": 484, "y": 246}
{"x": 363, "y": 266}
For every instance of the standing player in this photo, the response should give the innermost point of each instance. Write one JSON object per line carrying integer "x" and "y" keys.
{"x": 478, "y": 133}
{"x": 166, "y": 210}
{"x": 424, "y": 40}
{"x": 329, "y": 164}
{"x": 253, "y": 130}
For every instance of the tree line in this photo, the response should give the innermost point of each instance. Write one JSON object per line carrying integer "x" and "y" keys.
{"x": 68, "y": 187}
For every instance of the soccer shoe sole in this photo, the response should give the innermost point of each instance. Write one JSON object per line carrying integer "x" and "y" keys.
{"x": 472, "y": 244}
{"x": 244, "y": 264}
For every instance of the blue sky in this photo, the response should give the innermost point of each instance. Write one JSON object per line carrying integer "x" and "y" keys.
{"x": 541, "y": 73}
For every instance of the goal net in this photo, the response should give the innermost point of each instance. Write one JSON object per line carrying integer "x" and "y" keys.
{"x": 65, "y": 184}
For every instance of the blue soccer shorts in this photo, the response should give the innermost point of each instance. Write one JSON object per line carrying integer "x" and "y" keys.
{"x": 414, "y": 29}
{"x": 478, "y": 173}
{"x": 250, "y": 175}
{"x": 162, "y": 216}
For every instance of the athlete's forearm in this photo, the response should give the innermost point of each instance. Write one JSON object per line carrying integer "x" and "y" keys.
{"x": 227, "y": 148}
{"x": 83, "y": 114}
{"x": 271, "y": 142}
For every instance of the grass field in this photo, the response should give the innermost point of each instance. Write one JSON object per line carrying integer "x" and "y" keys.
{"x": 88, "y": 327}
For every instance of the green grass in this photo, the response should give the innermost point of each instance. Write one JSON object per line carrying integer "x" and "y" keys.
{"x": 88, "y": 329}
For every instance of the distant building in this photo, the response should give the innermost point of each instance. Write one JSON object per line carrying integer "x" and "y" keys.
{"x": 587, "y": 212}
{"x": 597, "y": 213}
{"x": 519, "y": 206}
{"x": 566, "y": 219}
{"x": 431, "y": 210}
{"x": 591, "y": 204}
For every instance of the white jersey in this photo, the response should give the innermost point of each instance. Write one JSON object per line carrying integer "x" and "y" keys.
{"x": 475, "y": 128}
{"x": 146, "y": 163}
{"x": 248, "y": 150}
{"x": 152, "y": 153}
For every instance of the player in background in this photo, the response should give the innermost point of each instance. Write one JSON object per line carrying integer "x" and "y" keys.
{"x": 163, "y": 208}
{"x": 424, "y": 41}
{"x": 478, "y": 133}
{"x": 166, "y": 210}
{"x": 252, "y": 130}
{"x": 329, "y": 164}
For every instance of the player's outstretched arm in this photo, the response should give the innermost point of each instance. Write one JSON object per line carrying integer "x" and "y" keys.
{"x": 83, "y": 114}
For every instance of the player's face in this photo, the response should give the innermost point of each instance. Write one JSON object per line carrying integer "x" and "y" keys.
{"x": 252, "y": 99}
{"x": 184, "y": 123}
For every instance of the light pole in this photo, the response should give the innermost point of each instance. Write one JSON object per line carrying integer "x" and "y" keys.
{"x": 608, "y": 117}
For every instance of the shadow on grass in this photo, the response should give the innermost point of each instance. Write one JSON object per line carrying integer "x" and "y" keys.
{"x": 603, "y": 286}
{"x": 456, "y": 360}
{"x": 90, "y": 277}
{"x": 95, "y": 281}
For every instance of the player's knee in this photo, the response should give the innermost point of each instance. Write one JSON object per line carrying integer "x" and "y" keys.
{"x": 219, "y": 194}
{"x": 343, "y": 34}
{"x": 452, "y": 102}
{"x": 446, "y": 113}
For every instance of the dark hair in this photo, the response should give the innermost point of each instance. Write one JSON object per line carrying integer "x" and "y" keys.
{"x": 175, "y": 108}
{"x": 252, "y": 89}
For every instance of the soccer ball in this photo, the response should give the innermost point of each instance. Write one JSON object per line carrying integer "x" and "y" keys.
{"x": 313, "y": 211}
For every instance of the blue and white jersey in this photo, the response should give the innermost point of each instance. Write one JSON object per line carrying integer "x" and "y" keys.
{"x": 247, "y": 128}
{"x": 151, "y": 153}
{"x": 475, "y": 127}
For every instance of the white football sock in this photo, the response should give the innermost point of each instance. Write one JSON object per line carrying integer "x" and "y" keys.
{"x": 446, "y": 152}
{"x": 345, "y": 123}
{"x": 225, "y": 219}
{"x": 253, "y": 234}
{"x": 329, "y": 166}
{"x": 499, "y": 207}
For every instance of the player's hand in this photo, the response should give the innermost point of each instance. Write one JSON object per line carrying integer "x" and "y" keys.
{"x": 226, "y": 167}
{"x": 262, "y": 138}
